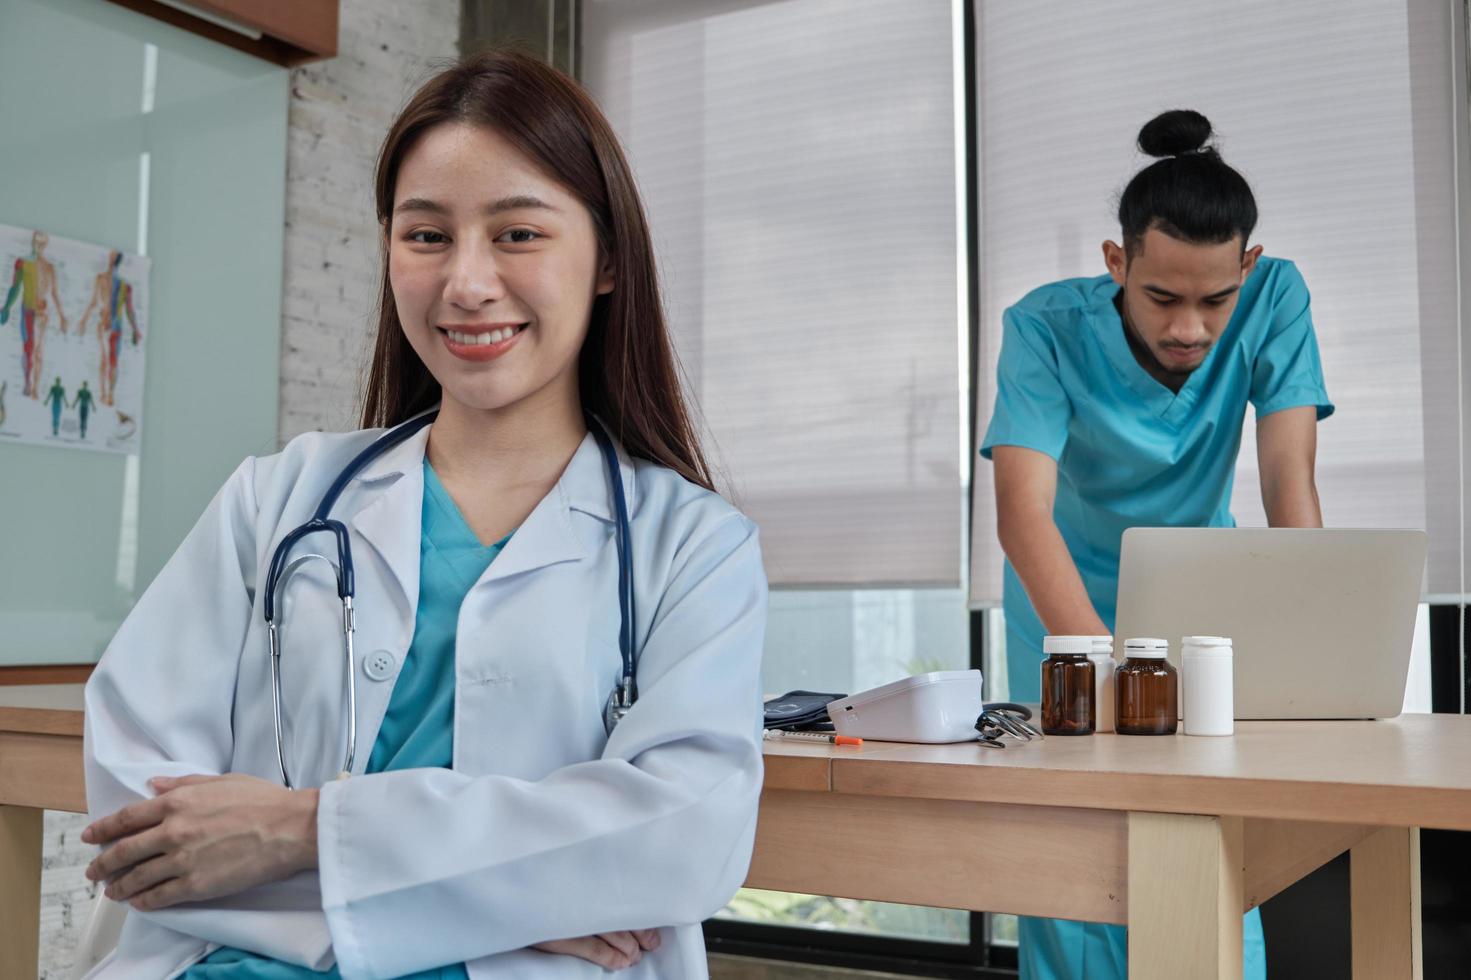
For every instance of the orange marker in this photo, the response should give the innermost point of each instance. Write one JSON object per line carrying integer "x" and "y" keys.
{"x": 828, "y": 737}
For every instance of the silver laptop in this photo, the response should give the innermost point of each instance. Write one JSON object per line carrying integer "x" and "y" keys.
{"x": 1321, "y": 621}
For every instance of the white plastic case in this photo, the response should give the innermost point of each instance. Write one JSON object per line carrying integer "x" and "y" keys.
{"x": 941, "y": 706}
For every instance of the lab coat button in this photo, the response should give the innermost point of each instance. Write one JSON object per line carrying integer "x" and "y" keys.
{"x": 380, "y": 665}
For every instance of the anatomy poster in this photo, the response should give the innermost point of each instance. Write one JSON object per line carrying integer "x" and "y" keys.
{"x": 73, "y": 338}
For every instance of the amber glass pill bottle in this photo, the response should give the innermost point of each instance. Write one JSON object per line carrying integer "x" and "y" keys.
{"x": 1146, "y": 690}
{"x": 1067, "y": 686}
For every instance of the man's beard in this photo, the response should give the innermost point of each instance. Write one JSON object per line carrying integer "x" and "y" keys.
{"x": 1138, "y": 346}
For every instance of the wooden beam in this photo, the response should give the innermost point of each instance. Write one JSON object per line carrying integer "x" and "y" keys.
{"x": 20, "y": 890}
{"x": 802, "y": 772}
{"x": 1185, "y": 897}
{"x": 42, "y": 771}
{"x": 292, "y": 32}
{"x": 46, "y": 674}
{"x": 1384, "y": 902}
{"x": 1030, "y": 860}
{"x": 1279, "y": 853}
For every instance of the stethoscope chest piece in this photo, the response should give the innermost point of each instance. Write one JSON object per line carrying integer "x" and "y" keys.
{"x": 620, "y": 701}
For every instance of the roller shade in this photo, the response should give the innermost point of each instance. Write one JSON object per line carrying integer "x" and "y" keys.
{"x": 797, "y": 160}
{"x": 1341, "y": 116}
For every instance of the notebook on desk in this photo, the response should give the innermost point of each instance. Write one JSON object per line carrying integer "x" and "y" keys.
{"x": 1321, "y": 620}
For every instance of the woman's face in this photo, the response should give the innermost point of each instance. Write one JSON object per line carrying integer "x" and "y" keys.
{"x": 494, "y": 268}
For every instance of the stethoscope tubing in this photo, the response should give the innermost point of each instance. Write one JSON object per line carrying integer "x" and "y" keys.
{"x": 281, "y": 569}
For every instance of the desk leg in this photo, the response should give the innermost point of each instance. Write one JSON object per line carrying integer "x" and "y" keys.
{"x": 20, "y": 890}
{"x": 1384, "y": 876}
{"x": 1185, "y": 897}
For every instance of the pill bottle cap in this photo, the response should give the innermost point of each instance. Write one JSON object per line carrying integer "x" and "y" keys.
{"x": 1195, "y": 648}
{"x": 1077, "y": 645}
{"x": 1148, "y": 647}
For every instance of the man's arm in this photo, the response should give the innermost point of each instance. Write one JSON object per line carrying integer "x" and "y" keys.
{"x": 1286, "y": 450}
{"x": 1026, "y": 487}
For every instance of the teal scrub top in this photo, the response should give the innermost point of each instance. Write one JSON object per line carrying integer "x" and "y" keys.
{"x": 418, "y": 726}
{"x": 1130, "y": 452}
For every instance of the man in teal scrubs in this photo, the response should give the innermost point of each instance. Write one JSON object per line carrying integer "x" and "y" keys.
{"x": 1120, "y": 402}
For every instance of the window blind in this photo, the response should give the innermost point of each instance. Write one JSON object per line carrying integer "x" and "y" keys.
{"x": 797, "y": 159}
{"x": 1340, "y": 115}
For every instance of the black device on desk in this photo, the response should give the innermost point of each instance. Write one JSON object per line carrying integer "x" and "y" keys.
{"x": 804, "y": 711}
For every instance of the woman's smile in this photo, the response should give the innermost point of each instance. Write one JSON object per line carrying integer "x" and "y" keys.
{"x": 481, "y": 341}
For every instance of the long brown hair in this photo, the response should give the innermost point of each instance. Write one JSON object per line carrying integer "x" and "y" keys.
{"x": 627, "y": 373}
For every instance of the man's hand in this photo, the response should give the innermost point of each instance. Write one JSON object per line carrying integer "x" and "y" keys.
{"x": 609, "y": 950}
{"x": 204, "y": 837}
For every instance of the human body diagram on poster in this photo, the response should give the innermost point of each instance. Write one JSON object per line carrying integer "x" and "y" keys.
{"x": 73, "y": 329}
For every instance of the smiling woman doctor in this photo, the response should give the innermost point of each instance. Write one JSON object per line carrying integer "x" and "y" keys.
{"x": 494, "y": 824}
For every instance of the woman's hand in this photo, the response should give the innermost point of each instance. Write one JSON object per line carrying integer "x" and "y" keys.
{"x": 204, "y": 837}
{"x": 609, "y": 950}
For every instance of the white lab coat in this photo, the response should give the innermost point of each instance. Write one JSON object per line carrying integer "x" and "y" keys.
{"x": 545, "y": 828}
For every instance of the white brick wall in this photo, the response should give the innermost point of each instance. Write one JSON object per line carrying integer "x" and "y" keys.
{"x": 340, "y": 110}
{"x": 66, "y": 896}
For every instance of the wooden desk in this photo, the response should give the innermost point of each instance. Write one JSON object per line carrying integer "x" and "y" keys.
{"x": 1175, "y": 836}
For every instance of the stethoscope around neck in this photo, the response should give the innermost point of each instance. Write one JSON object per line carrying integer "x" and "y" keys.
{"x": 282, "y": 567}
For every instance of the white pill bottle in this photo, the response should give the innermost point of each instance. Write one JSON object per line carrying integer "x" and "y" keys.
{"x": 1103, "y": 695}
{"x": 1207, "y": 682}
